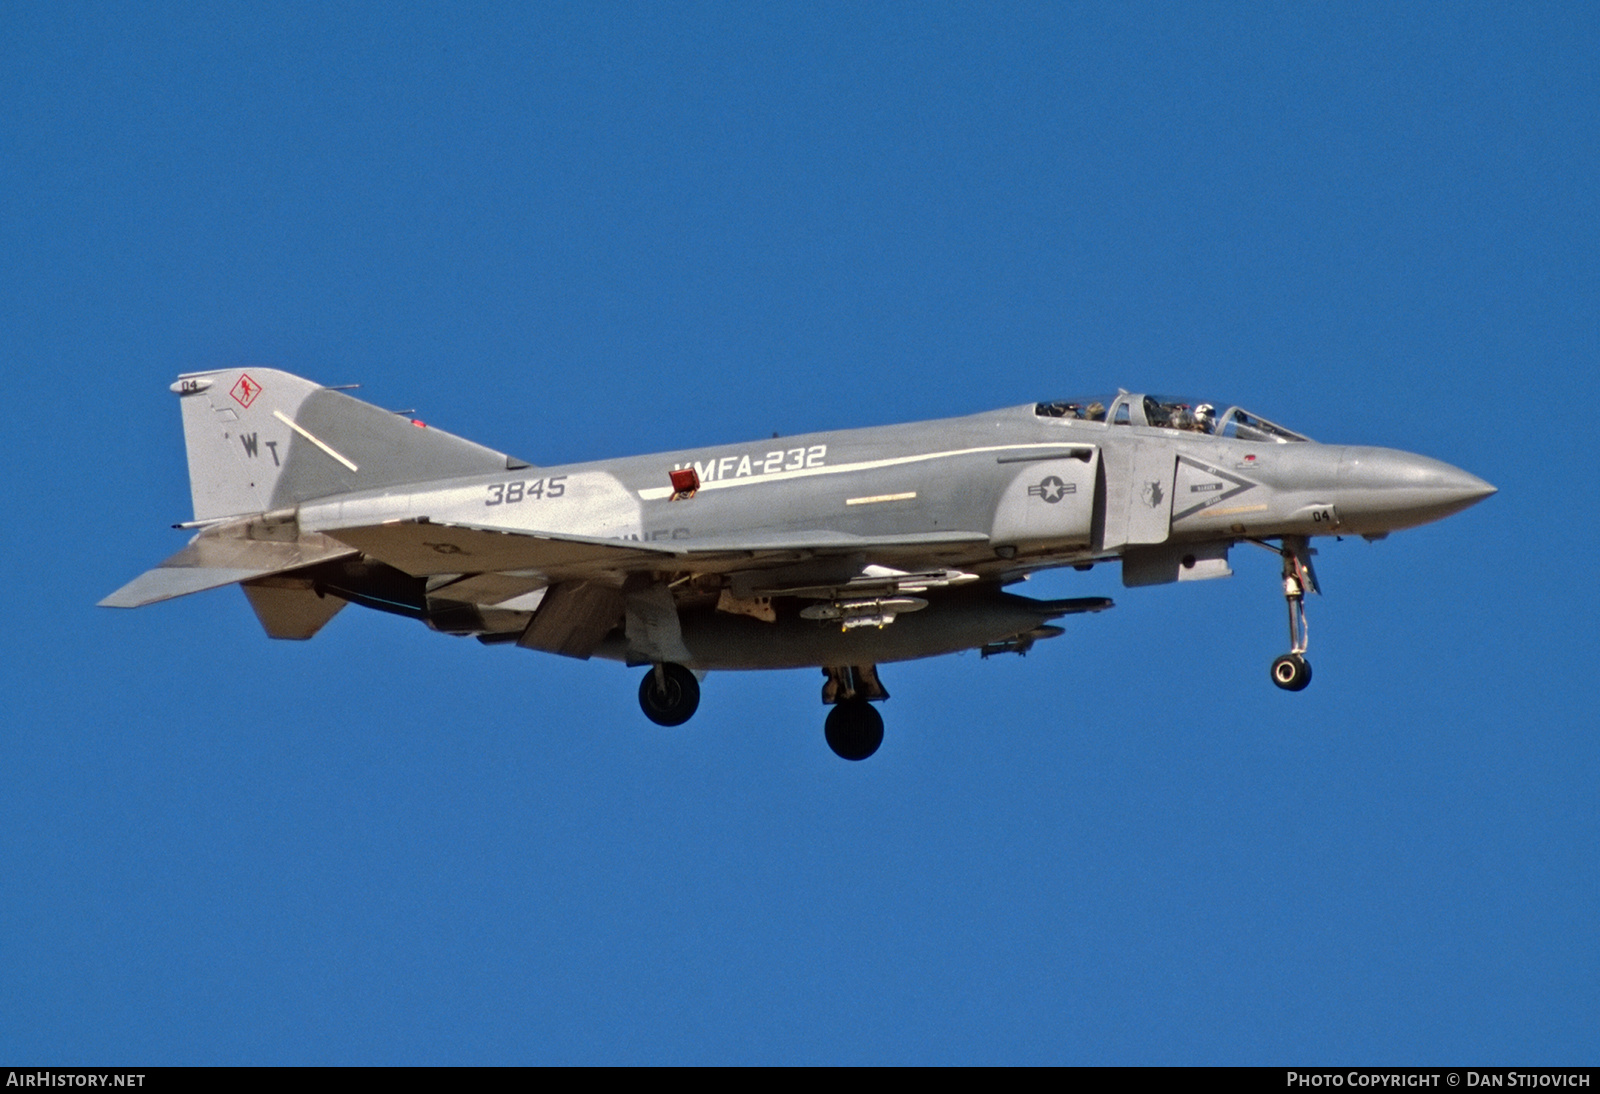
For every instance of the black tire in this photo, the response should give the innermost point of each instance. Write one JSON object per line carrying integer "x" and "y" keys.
{"x": 1291, "y": 672}
{"x": 673, "y": 704}
{"x": 854, "y": 729}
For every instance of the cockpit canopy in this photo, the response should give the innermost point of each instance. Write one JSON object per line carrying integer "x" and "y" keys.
{"x": 1169, "y": 412}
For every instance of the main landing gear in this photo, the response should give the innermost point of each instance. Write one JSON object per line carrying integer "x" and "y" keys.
{"x": 1291, "y": 671}
{"x": 669, "y": 694}
{"x": 854, "y": 728}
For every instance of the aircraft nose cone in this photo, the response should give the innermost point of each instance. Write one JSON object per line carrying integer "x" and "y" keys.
{"x": 1381, "y": 490}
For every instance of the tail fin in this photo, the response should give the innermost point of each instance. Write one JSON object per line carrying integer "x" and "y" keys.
{"x": 259, "y": 439}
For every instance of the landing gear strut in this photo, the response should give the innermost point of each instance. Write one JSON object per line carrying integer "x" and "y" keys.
{"x": 669, "y": 694}
{"x": 1292, "y": 672}
{"x": 854, "y": 728}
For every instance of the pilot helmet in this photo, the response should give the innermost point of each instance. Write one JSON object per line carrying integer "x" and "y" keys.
{"x": 1204, "y": 413}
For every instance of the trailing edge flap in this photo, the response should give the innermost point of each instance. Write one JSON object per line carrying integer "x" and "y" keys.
{"x": 422, "y": 549}
{"x": 220, "y": 557}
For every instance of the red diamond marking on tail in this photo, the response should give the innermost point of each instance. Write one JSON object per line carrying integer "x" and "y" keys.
{"x": 245, "y": 391}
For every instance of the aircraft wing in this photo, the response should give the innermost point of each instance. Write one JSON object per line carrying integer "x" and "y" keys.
{"x": 228, "y": 555}
{"x": 426, "y": 548}
{"x": 585, "y": 598}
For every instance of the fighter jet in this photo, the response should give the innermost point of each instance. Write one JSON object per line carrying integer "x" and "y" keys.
{"x": 839, "y": 551}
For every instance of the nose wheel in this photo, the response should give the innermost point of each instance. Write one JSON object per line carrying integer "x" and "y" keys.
{"x": 1291, "y": 672}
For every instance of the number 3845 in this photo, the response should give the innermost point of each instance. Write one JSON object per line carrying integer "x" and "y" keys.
{"x": 510, "y": 493}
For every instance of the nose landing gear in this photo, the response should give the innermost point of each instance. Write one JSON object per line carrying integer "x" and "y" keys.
{"x": 1291, "y": 671}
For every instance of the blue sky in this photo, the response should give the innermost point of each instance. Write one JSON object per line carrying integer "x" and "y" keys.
{"x": 575, "y": 231}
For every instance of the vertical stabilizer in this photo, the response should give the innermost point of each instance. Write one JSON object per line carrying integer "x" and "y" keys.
{"x": 237, "y": 448}
{"x": 259, "y": 439}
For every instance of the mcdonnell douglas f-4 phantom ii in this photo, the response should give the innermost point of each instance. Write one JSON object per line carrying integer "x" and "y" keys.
{"x": 837, "y": 551}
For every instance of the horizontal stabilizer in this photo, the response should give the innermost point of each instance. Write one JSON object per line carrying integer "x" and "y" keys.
{"x": 216, "y": 558}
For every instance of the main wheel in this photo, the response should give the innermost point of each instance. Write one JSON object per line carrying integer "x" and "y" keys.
{"x": 673, "y": 703}
{"x": 1291, "y": 672}
{"x": 854, "y": 729}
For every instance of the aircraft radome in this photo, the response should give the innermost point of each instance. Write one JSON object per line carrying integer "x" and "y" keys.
{"x": 837, "y": 551}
